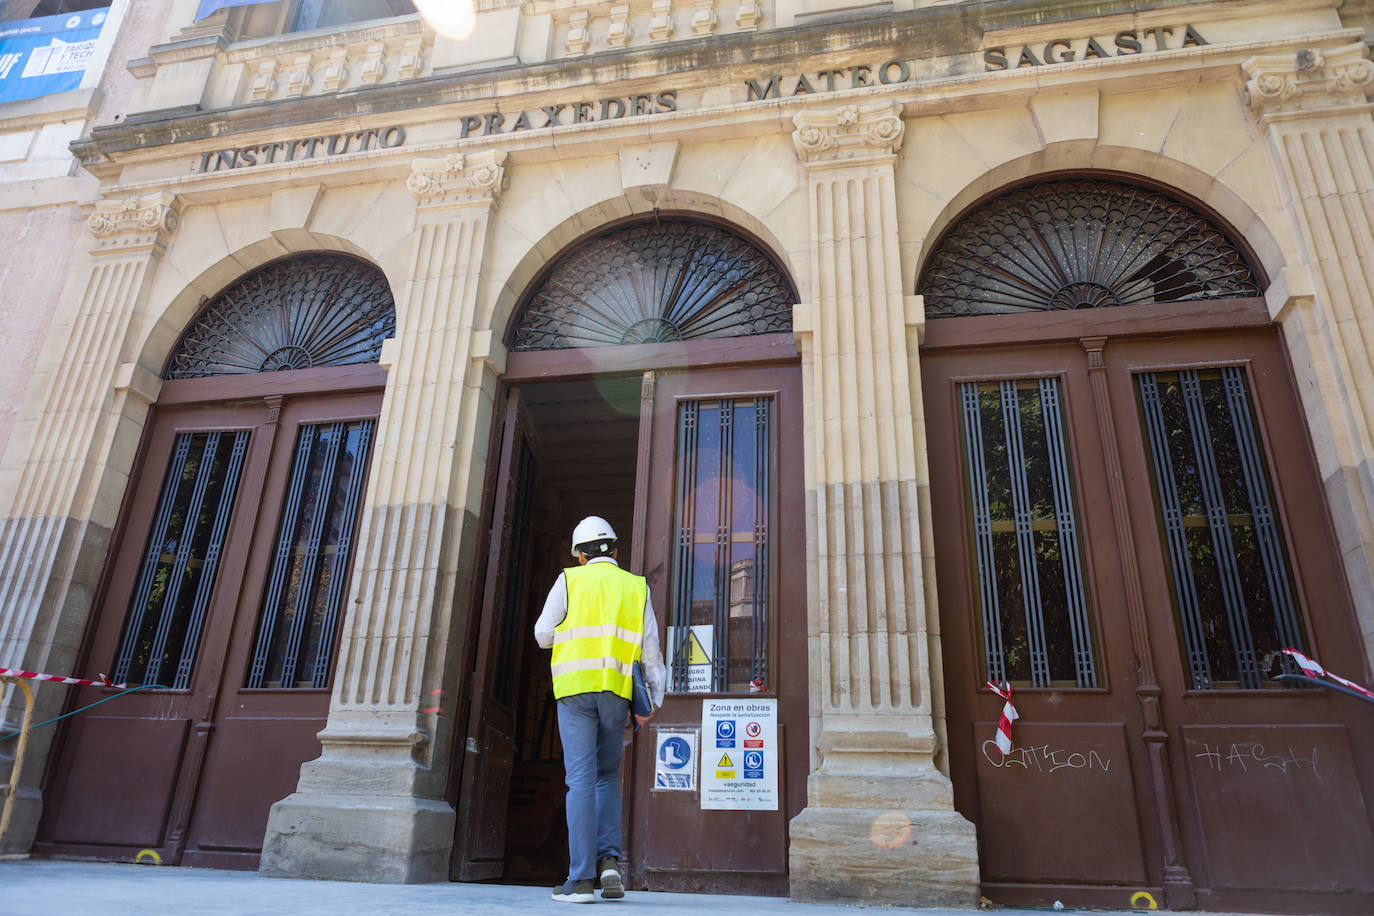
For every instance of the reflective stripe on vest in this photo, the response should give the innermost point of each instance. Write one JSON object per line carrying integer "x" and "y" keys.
{"x": 597, "y": 644}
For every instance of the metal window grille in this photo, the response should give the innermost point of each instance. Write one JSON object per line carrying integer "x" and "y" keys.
{"x": 1028, "y": 560}
{"x": 1232, "y": 585}
{"x": 721, "y": 584}
{"x": 177, "y": 576}
{"x": 295, "y": 633}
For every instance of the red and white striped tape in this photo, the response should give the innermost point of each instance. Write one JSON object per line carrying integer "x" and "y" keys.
{"x": 1312, "y": 669}
{"x": 1009, "y": 715}
{"x": 34, "y": 675}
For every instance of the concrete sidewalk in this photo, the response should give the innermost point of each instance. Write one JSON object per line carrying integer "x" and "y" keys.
{"x": 35, "y": 886}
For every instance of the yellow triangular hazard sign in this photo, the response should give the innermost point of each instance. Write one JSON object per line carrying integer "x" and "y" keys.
{"x": 725, "y": 761}
{"x": 696, "y": 654}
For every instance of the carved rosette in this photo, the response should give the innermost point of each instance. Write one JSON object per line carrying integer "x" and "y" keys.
{"x": 457, "y": 179}
{"x": 134, "y": 223}
{"x": 848, "y": 133}
{"x": 1311, "y": 79}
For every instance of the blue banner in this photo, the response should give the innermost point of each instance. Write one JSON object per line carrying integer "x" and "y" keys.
{"x": 42, "y": 56}
{"x": 207, "y": 7}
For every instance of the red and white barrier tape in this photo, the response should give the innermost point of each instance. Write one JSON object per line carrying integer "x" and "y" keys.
{"x": 1009, "y": 715}
{"x": 1312, "y": 669}
{"x": 34, "y": 675}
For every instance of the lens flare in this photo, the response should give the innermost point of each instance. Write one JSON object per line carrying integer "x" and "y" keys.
{"x": 450, "y": 18}
{"x": 890, "y": 829}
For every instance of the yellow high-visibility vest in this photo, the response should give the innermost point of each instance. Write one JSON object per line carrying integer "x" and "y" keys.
{"x": 597, "y": 644}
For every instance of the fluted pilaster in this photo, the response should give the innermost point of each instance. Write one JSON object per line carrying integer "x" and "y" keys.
{"x": 382, "y": 776}
{"x": 63, "y": 476}
{"x": 871, "y": 709}
{"x": 1314, "y": 105}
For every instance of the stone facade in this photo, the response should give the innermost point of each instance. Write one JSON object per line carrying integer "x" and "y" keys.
{"x": 845, "y": 139}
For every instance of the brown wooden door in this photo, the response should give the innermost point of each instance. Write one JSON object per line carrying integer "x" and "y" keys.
{"x": 1065, "y": 808}
{"x": 673, "y": 843}
{"x": 248, "y": 511}
{"x": 489, "y": 746}
{"x": 1176, "y": 769}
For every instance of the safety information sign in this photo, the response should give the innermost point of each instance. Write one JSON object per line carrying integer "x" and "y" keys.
{"x": 691, "y": 648}
{"x": 739, "y": 762}
{"x": 675, "y": 764}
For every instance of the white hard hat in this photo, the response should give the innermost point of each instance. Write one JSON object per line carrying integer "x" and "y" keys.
{"x": 591, "y": 529}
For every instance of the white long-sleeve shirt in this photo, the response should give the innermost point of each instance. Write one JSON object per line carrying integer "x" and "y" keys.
{"x": 556, "y": 608}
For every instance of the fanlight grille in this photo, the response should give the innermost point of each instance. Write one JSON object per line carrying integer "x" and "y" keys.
{"x": 672, "y": 280}
{"x": 1081, "y": 243}
{"x": 306, "y": 312}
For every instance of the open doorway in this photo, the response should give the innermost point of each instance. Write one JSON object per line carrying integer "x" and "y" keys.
{"x": 580, "y": 442}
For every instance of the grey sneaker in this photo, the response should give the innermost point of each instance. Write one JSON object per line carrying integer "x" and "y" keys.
{"x": 612, "y": 886}
{"x": 575, "y": 892}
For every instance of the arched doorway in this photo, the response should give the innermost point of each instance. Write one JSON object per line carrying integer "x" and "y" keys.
{"x": 226, "y": 588}
{"x": 653, "y": 380}
{"x": 1130, "y": 528}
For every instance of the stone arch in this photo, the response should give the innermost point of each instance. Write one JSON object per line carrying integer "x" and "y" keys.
{"x": 1267, "y": 241}
{"x": 1069, "y": 240}
{"x": 718, "y": 283}
{"x": 179, "y": 296}
{"x": 302, "y": 311}
{"x": 528, "y": 265}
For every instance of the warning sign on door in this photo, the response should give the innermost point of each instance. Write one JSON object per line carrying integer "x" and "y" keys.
{"x": 692, "y": 649}
{"x": 675, "y": 767}
{"x": 735, "y": 778}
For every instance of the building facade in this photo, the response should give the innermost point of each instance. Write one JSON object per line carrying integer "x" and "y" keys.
{"x": 915, "y": 350}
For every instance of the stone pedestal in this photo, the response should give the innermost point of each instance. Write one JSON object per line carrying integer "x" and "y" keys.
{"x": 880, "y": 825}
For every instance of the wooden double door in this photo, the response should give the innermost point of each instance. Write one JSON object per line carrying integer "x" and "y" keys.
{"x": 224, "y": 591}
{"x": 698, "y": 467}
{"x": 1129, "y": 527}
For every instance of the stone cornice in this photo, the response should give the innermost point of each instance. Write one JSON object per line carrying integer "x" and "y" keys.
{"x": 848, "y": 133}
{"x": 1310, "y": 80}
{"x": 459, "y": 179}
{"x": 134, "y": 224}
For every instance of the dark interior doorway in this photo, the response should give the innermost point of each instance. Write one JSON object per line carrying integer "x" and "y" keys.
{"x": 583, "y": 437}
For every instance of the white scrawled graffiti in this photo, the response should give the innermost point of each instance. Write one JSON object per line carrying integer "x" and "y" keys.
{"x": 1044, "y": 758}
{"x": 1245, "y": 756}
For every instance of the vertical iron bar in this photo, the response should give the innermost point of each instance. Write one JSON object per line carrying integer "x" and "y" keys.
{"x": 305, "y": 592}
{"x": 1232, "y": 591}
{"x": 1025, "y": 537}
{"x": 210, "y": 566}
{"x": 1266, "y": 524}
{"x": 168, "y": 612}
{"x": 338, "y": 571}
{"x": 982, "y": 533}
{"x": 1070, "y": 562}
{"x": 763, "y": 514}
{"x": 720, "y": 601}
{"x": 171, "y": 483}
{"x": 1171, "y": 508}
{"x": 267, "y": 621}
{"x": 686, "y": 523}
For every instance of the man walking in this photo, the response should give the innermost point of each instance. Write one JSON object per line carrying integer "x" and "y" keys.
{"x": 599, "y": 621}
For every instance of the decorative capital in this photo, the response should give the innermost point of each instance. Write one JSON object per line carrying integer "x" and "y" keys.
{"x": 458, "y": 179}
{"x": 1311, "y": 79}
{"x": 134, "y": 223}
{"x": 851, "y": 132}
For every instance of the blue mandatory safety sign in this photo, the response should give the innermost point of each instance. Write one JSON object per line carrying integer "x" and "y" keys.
{"x": 675, "y": 769}
{"x": 675, "y": 753}
{"x": 753, "y": 765}
{"x": 725, "y": 733}
{"x": 46, "y": 55}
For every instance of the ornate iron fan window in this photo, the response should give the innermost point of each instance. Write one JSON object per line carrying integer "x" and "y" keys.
{"x": 1081, "y": 243}
{"x": 671, "y": 280}
{"x": 302, "y": 313}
